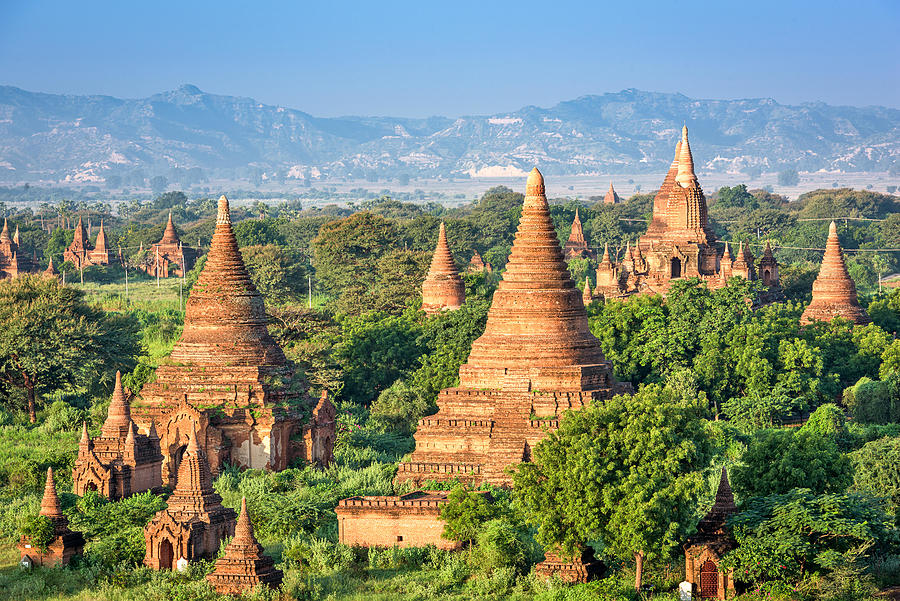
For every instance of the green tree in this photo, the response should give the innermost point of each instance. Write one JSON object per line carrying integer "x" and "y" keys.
{"x": 736, "y": 196}
{"x": 51, "y": 339}
{"x": 257, "y": 232}
{"x": 778, "y": 460}
{"x": 876, "y": 471}
{"x": 627, "y": 471}
{"x": 466, "y": 513}
{"x": 277, "y": 272}
{"x": 786, "y": 536}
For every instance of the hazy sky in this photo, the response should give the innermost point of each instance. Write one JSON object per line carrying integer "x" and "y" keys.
{"x": 452, "y": 58}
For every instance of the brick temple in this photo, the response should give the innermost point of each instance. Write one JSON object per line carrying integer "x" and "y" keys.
{"x": 121, "y": 461}
{"x": 66, "y": 543}
{"x": 477, "y": 264}
{"x": 576, "y": 246}
{"x": 195, "y": 522}
{"x": 81, "y": 253}
{"x": 581, "y": 568}
{"x": 611, "y": 197}
{"x": 243, "y": 566}
{"x": 443, "y": 289}
{"x": 229, "y": 379}
{"x": 705, "y": 549}
{"x": 168, "y": 257}
{"x": 834, "y": 292}
{"x": 536, "y": 359}
{"x": 679, "y": 243}
{"x": 13, "y": 262}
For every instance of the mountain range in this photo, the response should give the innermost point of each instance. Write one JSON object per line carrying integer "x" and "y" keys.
{"x": 87, "y": 138}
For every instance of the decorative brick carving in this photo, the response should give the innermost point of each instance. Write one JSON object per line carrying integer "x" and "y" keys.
{"x": 243, "y": 566}
{"x": 66, "y": 543}
{"x": 121, "y": 461}
{"x": 443, "y": 289}
{"x": 228, "y": 377}
{"x": 833, "y": 292}
{"x": 705, "y": 549}
{"x": 195, "y": 522}
{"x": 536, "y": 358}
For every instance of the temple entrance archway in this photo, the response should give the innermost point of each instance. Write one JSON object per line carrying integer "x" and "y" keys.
{"x": 166, "y": 555}
{"x": 91, "y": 486}
{"x": 709, "y": 580}
{"x": 676, "y": 267}
{"x": 767, "y": 277}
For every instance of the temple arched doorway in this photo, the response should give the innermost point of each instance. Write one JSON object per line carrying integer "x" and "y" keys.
{"x": 676, "y": 267}
{"x": 166, "y": 555}
{"x": 709, "y": 580}
{"x": 767, "y": 277}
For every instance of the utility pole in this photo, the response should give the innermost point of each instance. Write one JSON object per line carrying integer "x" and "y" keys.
{"x": 126, "y": 283}
{"x": 181, "y": 285}
{"x": 157, "y": 266}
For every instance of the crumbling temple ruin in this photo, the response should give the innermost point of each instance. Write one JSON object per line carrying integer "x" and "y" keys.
{"x": 833, "y": 292}
{"x": 477, "y": 264}
{"x": 121, "y": 461}
{"x": 582, "y": 568}
{"x": 65, "y": 545}
{"x": 228, "y": 377}
{"x": 704, "y": 550}
{"x": 243, "y": 566}
{"x": 410, "y": 520}
{"x": 168, "y": 257}
{"x": 195, "y": 522}
{"x": 443, "y": 289}
{"x": 12, "y": 261}
{"x": 679, "y": 242}
{"x": 81, "y": 254}
{"x": 536, "y": 359}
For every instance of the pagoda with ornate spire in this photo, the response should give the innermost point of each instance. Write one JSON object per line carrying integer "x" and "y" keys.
{"x": 228, "y": 377}
{"x": 169, "y": 257}
{"x": 81, "y": 253}
{"x": 443, "y": 289}
{"x": 834, "y": 292}
{"x": 195, "y": 522}
{"x": 679, "y": 242}
{"x": 243, "y": 566}
{"x": 576, "y": 246}
{"x": 50, "y": 272}
{"x": 611, "y": 197}
{"x": 13, "y": 262}
{"x": 704, "y": 550}
{"x": 121, "y": 461}
{"x": 65, "y": 544}
{"x": 536, "y": 359}
{"x": 768, "y": 267}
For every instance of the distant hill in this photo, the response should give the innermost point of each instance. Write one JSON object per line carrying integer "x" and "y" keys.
{"x": 87, "y": 138}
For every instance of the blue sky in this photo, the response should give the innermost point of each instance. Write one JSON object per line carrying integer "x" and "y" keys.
{"x": 424, "y": 58}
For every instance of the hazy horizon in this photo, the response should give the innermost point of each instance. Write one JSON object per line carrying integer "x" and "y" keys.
{"x": 417, "y": 60}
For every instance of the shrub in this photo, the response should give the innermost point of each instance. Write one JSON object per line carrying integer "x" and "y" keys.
{"x": 39, "y": 531}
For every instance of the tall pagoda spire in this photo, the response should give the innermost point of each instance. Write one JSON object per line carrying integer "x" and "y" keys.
{"x": 577, "y": 234}
{"x": 586, "y": 296}
{"x": 611, "y": 197}
{"x": 4, "y": 234}
{"x": 535, "y": 303}
{"x": 685, "y": 174}
{"x": 50, "y": 503}
{"x": 79, "y": 241}
{"x": 659, "y": 219}
{"x": 118, "y": 418}
{"x": 170, "y": 236}
{"x": 442, "y": 289}
{"x": 243, "y": 565}
{"x": 833, "y": 292}
{"x": 100, "y": 246}
{"x": 194, "y": 491}
{"x": 16, "y": 235}
{"x": 225, "y": 317}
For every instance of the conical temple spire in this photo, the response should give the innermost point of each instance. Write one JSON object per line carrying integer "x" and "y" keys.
{"x": 834, "y": 292}
{"x": 50, "y": 503}
{"x": 685, "y": 174}
{"x": 16, "y": 235}
{"x": 80, "y": 235}
{"x": 243, "y": 531}
{"x": 605, "y": 258}
{"x": 767, "y": 253}
{"x": 4, "y": 234}
{"x": 586, "y": 296}
{"x": 194, "y": 476}
{"x": 225, "y": 318}
{"x": 51, "y": 270}
{"x": 611, "y": 197}
{"x": 101, "y": 239}
{"x": 443, "y": 288}
{"x": 118, "y": 418}
{"x": 536, "y": 320}
{"x": 576, "y": 237}
{"x": 170, "y": 236}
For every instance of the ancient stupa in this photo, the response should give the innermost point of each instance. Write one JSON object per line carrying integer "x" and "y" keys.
{"x": 169, "y": 251}
{"x": 576, "y": 246}
{"x": 443, "y": 289}
{"x": 227, "y": 376}
{"x": 705, "y": 549}
{"x": 66, "y": 543}
{"x": 611, "y": 197}
{"x": 195, "y": 521}
{"x": 243, "y": 566}
{"x": 536, "y": 359}
{"x": 833, "y": 292}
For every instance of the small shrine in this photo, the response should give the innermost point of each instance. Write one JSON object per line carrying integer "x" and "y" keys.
{"x": 66, "y": 543}
{"x": 443, "y": 289}
{"x": 834, "y": 292}
{"x": 704, "y": 550}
